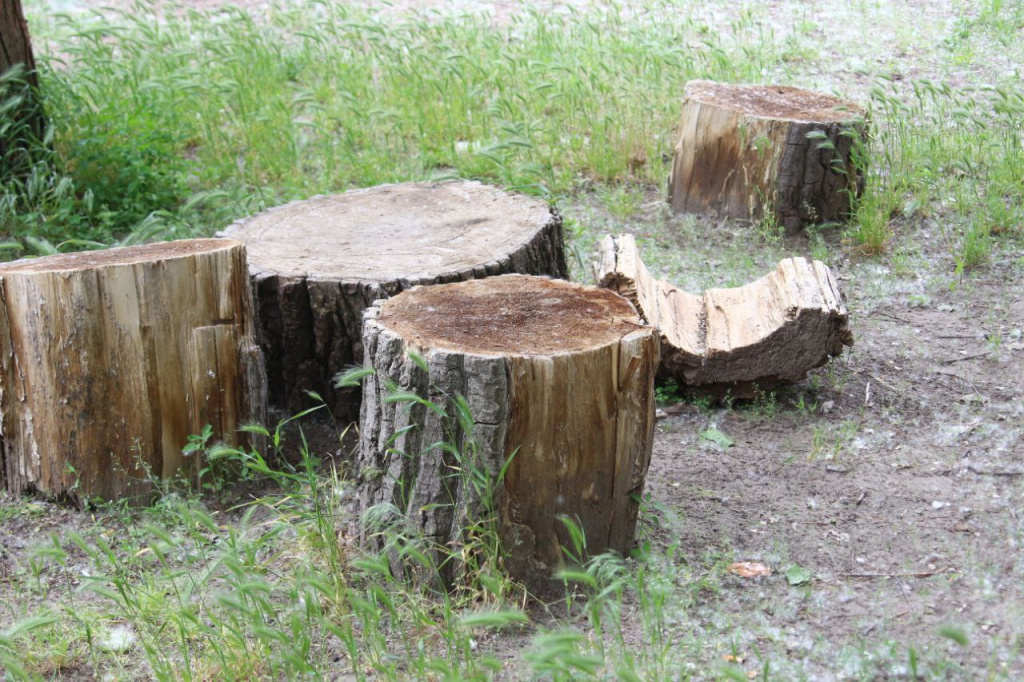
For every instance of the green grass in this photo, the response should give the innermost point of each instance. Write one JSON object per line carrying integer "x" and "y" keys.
{"x": 172, "y": 128}
{"x": 179, "y": 124}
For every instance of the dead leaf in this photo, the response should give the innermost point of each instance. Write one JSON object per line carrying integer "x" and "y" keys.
{"x": 749, "y": 569}
{"x": 732, "y": 659}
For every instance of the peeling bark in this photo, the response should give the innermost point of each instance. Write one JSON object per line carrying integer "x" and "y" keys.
{"x": 559, "y": 380}
{"x": 111, "y": 359}
{"x": 750, "y": 151}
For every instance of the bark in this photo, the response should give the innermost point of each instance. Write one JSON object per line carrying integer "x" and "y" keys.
{"x": 742, "y": 340}
{"x": 111, "y": 359}
{"x": 559, "y": 381}
{"x": 317, "y": 265}
{"x": 25, "y": 123}
{"x": 752, "y": 152}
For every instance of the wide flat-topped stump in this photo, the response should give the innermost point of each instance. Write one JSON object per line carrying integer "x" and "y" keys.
{"x": 757, "y": 151}
{"x": 558, "y": 378}
{"x": 740, "y": 340}
{"x": 111, "y": 359}
{"x": 316, "y": 265}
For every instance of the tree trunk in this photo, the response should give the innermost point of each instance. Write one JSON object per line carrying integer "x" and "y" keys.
{"x": 316, "y": 265}
{"x": 25, "y": 123}
{"x": 736, "y": 341}
{"x": 754, "y": 152}
{"x": 559, "y": 380}
{"x": 111, "y": 359}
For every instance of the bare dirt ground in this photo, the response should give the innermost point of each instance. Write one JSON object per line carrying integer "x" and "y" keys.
{"x": 895, "y": 475}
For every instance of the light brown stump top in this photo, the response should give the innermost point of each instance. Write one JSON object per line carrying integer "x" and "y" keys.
{"x": 128, "y": 255}
{"x": 513, "y": 315}
{"x": 776, "y": 102}
{"x": 411, "y": 231}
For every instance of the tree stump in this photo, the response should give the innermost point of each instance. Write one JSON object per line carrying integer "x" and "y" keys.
{"x": 558, "y": 378}
{"x": 24, "y": 121}
{"x": 752, "y": 152}
{"x": 111, "y": 359}
{"x": 316, "y": 265}
{"x": 742, "y": 340}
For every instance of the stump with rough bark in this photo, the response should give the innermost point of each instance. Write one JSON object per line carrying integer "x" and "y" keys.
{"x": 741, "y": 340}
{"x": 23, "y": 120}
{"x": 317, "y": 265}
{"x": 558, "y": 378}
{"x": 753, "y": 152}
{"x": 111, "y": 359}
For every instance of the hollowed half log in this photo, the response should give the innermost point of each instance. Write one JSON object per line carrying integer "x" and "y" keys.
{"x": 741, "y": 340}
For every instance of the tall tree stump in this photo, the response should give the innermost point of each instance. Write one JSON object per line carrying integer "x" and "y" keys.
{"x": 316, "y": 265}
{"x": 742, "y": 340}
{"x": 111, "y": 359}
{"x": 755, "y": 151}
{"x": 24, "y": 122}
{"x": 558, "y": 378}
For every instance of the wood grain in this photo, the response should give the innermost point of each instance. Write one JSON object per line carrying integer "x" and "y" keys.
{"x": 111, "y": 359}
{"x": 317, "y": 264}
{"x": 750, "y": 152}
{"x": 769, "y": 332}
{"x": 572, "y": 410}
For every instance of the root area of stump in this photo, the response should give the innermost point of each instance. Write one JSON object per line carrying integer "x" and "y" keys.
{"x": 558, "y": 381}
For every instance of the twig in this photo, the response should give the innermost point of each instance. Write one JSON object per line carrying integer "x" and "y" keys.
{"x": 903, "y": 590}
{"x": 922, "y": 574}
{"x": 950, "y": 361}
{"x": 895, "y": 317}
{"x": 887, "y": 385}
{"x": 984, "y": 472}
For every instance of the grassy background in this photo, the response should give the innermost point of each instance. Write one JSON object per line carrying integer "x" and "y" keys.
{"x": 170, "y": 123}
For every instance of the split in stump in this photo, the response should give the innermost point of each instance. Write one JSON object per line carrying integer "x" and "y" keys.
{"x": 742, "y": 340}
{"x": 111, "y": 359}
{"x": 559, "y": 380}
{"x": 759, "y": 151}
{"x": 317, "y": 265}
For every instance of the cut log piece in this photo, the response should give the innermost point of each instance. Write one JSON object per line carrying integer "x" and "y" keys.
{"x": 316, "y": 265}
{"x": 111, "y": 359}
{"x": 558, "y": 378}
{"x": 742, "y": 340}
{"x": 751, "y": 152}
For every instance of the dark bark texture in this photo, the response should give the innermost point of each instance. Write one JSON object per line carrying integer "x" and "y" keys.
{"x": 311, "y": 318}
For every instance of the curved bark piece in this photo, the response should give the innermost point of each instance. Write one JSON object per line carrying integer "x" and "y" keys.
{"x": 769, "y": 332}
{"x": 747, "y": 150}
{"x": 558, "y": 378}
{"x": 317, "y": 264}
{"x": 111, "y": 359}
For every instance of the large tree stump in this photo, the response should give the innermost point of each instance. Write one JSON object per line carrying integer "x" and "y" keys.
{"x": 111, "y": 359}
{"x": 558, "y": 377}
{"x": 742, "y": 340}
{"x": 316, "y": 265}
{"x": 754, "y": 151}
{"x": 24, "y": 122}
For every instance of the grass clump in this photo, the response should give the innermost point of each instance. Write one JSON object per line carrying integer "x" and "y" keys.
{"x": 173, "y": 121}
